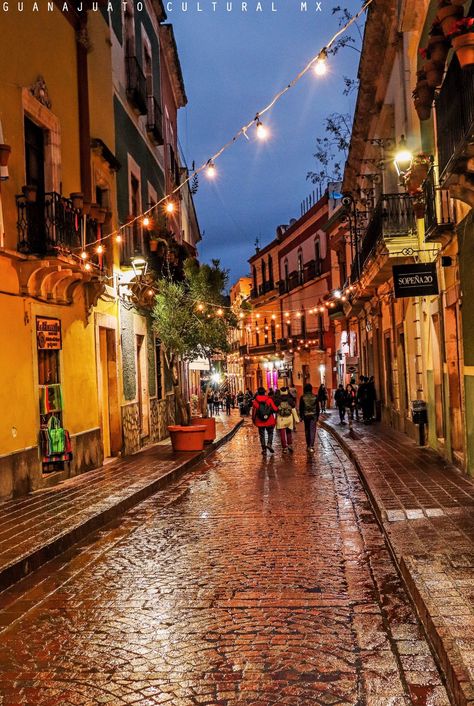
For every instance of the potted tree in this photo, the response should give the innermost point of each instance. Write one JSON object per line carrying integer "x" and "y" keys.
{"x": 462, "y": 39}
{"x": 188, "y": 332}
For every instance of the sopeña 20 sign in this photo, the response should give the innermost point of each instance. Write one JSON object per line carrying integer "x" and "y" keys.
{"x": 418, "y": 280}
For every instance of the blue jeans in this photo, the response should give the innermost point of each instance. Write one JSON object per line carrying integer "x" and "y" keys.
{"x": 310, "y": 430}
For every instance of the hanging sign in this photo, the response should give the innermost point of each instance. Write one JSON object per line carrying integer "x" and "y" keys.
{"x": 48, "y": 334}
{"x": 418, "y": 280}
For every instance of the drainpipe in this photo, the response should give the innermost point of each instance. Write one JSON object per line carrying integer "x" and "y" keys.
{"x": 82, "y": 47}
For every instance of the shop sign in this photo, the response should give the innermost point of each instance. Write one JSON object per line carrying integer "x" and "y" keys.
{"x": 418, "y": 280}
{"x": 48, "y": 334}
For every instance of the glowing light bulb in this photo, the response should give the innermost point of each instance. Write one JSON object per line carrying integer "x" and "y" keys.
{"x": 298, "y": 314}
{"x": 320, "y": 65}
{"x": 170, "y": 207}
{"x": 99, "y": 249}
{"x": 118, "y": 238}
{"x": 262, "y": 131}
{"x": 273, "y": 317}
{"x": 211, "y": 171}
{"x": 257, "y": 316}
{"x": 321, "y": 309}
{"x": 150, "y": 292}
{"x": 88, "y": 266}
{"x": 200, "y": 307}
{"x": 241, "y": 315}
{"x": 146, "y": 221}
{"x": 84, "y": 255}
{"x": 219, "y": 312}
{"x": 337, "y": 294}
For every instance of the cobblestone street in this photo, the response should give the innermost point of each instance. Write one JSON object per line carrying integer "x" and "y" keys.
{"x": 248, "y": 581}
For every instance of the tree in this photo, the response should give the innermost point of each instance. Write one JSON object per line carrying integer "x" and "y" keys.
{"x": 190, "y": 319}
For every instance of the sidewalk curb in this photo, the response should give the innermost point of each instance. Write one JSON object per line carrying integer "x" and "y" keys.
{"x": 27, "y": 564}
{"x": 429, "y": 628}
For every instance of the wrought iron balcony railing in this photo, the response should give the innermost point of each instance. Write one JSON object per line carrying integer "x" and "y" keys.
{"x": 174, "y": 167}
{"x": 454, "y": 115}
{"x": 48, "y": 225}
{"x": 154, "y": 123}
{"x": 136, "y": 85}
{"x": 393, "y": 217}
{"x": 439, "y": 209}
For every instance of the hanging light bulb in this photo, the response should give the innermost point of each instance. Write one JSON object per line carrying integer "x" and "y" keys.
{"x": 88, "y": 266}
{"x": 99, "y": 249}
{"x": 150, "y": 292}
{"x": 337, "y": 294}
{"x": 320, "y": 65}
{"x": 219, "y": 312}
{"x": 262, "y": 131}
{"x": 170, "y": 207}
{"x": 241, "y": 315}
{"x": 118, "y": 238}
{"x": 84, "y": 255}
{"x": 146, "y": 221}
{"x": 321, "y": 309}
{"x": 200, "y": 307}
{"x": 211, "y": 170}
{"x": 298, "y": 314}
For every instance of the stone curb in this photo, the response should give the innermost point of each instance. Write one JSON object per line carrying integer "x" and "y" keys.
{"x": 26, "y": 564}
{"x": 435, "y": 641}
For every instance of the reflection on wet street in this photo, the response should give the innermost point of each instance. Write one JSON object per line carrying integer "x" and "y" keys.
{"x": 252, "y": 581}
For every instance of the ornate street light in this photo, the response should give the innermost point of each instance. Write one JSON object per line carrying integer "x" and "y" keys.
{"x": 403, "y": 158}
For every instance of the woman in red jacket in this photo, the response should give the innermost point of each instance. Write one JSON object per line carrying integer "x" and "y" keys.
{"x": 263, "y": 416}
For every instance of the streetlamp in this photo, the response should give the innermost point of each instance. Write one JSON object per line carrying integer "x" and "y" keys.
{"x": 139, "y": 266}
{"x": 403, "y": 158}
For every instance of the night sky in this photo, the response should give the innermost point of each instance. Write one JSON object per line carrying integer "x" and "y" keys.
{"x": 233, "y": 64}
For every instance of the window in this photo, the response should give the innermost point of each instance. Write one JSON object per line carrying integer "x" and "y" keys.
{"x": 257, "y": 338}
{"x": 287, "y": 276}
{"x": 129, "y": 30}
{"x": 303, "y": 325}
{"x": 148, "y": 68}
{"x": 320, "y": 323}
{"x": 135, "y": 211}
{"x": 288, "y": 330}
{"x": 317, "y": 258}
{"x": 270, "y": 271}
{"x": 48, "y": 367}
{"x": 264, "y": 275}
{"x": 300, "y": 266}
{"x": 254, "y": 275}
{"x": 273, "y": 330}
{"x": 159, "y": 369}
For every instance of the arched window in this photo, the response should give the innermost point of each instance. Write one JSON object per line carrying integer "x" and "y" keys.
{"x": 254, "y": 275}
{"x": 317, "y": 258}
{"x": 303, "y": 324}
{"x": 287, "y": 276}
{"x": 264, "y": 273}
{"x": 273, "y": 331}
{"x": 288, "y": 329}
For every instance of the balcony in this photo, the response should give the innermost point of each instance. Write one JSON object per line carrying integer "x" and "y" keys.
{"x": 439, "y": 213}
{"x": 337, "y": 311}
{"x": 136, "y": 85}
{"x": 454, "y": 117}
{"x": 312, "y": 270}
{"x": 295, "y": 279}
{"x": 47, "y": 225}
{"x": 264, "y": 349}
{"x": 154, "y": 123}
{"x": 391, "y": 235}
{"x": 262, "y": 289}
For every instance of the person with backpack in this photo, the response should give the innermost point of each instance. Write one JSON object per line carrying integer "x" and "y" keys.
{"x": 285, "y": 420}
{"x": 340, "y": 398}
{"x": 263, "y": 416}
{"x": 309, "y": 413}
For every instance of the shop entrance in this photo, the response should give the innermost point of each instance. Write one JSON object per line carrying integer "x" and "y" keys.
{"x": 108, "y": 388}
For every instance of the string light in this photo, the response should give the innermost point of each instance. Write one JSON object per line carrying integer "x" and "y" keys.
{"x": 241, "y": 315}
{"x": 318, "y": 64}
{"x": 211, "y": 171}
{"x": 99, "y": 249}
{"x": 262, "y": 132}
{"x": 170, "y": 207}
{"x": 84, "y": 255}
{"x": 321, "y": 63}
{"x": 88, "y": 266}
{"x": 200, "y": 307}
{"x": 146, "y": 221}
{"x": 150, "y": 292}
{"x": 118, "y": 238}
{"x": 219, "y": 312}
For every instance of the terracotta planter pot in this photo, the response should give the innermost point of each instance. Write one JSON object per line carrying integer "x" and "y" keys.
{"x": 101, "y": 215}
{"x": 458, "y": 2}
{"x": 438, "y": 49}
{"x": 209, "y": 423}
{"x": 422, "y": 109}
{"x": 448, "y": 16}
{"x": 86, "y": 207}
{"x": 187, "y": 438}
{"x": 153, "y": 245}
{"x": 425, "y": 93}
{"x": 4, "y": 155}
{"x": 419, "y": 172}
{"x": 464, "y": 48}
{"x": 94, "y": 211}
{"x": 434, "y": 73}
{"x": 77, "y": 200}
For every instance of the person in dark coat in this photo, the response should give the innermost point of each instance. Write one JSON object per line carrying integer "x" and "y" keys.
{"x": 322, "y": 397}
{"x": 371, "y": 398}
{"x": 263, "y": 416}
{"x": 309, "y": 412}
{"x": 340, "y": 398}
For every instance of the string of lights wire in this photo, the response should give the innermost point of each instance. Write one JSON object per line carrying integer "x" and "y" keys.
{"x": 318, "y": 63}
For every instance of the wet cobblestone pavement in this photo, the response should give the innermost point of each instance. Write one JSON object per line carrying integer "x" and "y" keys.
{"x": 250, "y": 581}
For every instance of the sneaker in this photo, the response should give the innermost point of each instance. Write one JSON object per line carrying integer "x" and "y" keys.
{"x": 290, "y": 449}
{"x": 311, "y": 449}
{"x": 285, "y": 450}
{"x": 271, "y": 449}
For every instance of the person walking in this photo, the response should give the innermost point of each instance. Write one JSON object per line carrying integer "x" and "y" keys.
{"x": 263, "y": 416}
{"x": 210, "y": 404}
{"x": 322, "y": 397}
{"x": 309, "y": 413}
{"x": 351, "y": 400}
{"x": 228, "y": 403}
{"x": 216, "y": 403}
{"x": 340, "y": 400}
{"x": 285, "y": 421}
{"x": 360, "y": 394}
{"x": 371, "y": 398}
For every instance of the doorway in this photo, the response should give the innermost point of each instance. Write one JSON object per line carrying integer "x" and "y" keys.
{"x": 35, "y": 176}
{"x": 142, "y": 387}
{"x": 454, "y": 380}
{"x": 108, "y": 388}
